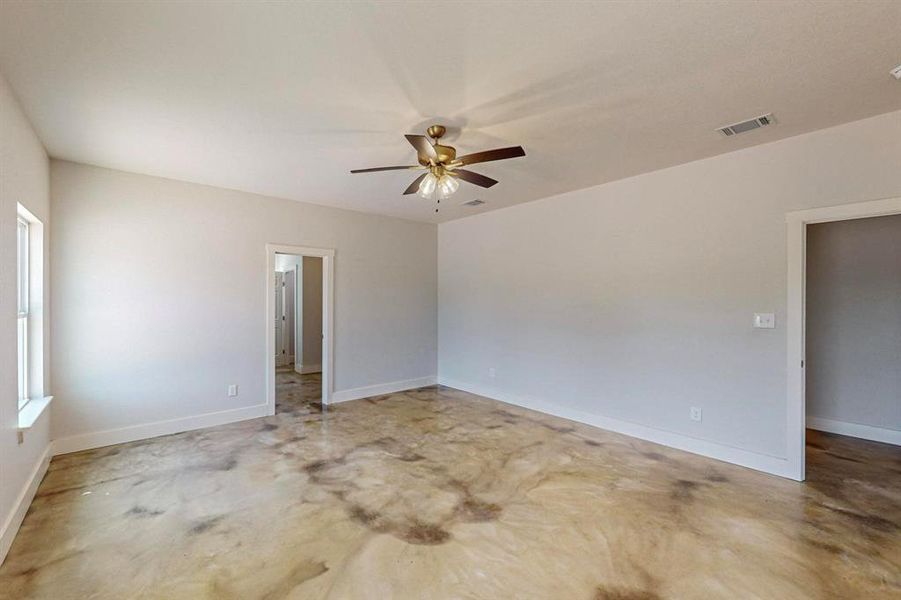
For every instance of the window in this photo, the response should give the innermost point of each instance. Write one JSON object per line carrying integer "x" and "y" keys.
{"x": 33, "y": 399}
{"x": 22, "y": 279}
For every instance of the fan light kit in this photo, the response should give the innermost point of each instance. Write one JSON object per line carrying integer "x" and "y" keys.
{"x": 445, "y": 184}
{"x": 443, "y": 166}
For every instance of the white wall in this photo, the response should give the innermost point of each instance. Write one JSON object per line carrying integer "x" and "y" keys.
{"x": 23, "y": 179}
{"x": 161, "y": 287}
{"x": 627, "y": 303}
{"x": 854, "y": 321}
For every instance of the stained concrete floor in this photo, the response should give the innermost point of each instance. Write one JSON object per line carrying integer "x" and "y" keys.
{"x": 436, "y": 493}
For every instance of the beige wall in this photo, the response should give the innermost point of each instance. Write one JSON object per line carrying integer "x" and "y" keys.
{"x": 854, "y": 321}
{"x": 628, "y": 303}
{"x": 24, "y": 179}
{"x": 312, "y": 311}
{"x": 161, "y": 288}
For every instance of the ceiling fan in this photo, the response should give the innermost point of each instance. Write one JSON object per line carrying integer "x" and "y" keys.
{"x": 443, "y": 165}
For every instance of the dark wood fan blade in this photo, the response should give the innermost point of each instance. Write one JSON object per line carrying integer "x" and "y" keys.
{"x": 489, "y": 155}
{"x": 485, "y": 182}
{"x": 414, "y": 187}
{"x": 374, "y": 169}
{"x": 423, "y": 146}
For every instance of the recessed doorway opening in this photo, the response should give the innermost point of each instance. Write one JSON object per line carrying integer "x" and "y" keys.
{"x": 798, "y": 354}
{"x": 299, "y": 328}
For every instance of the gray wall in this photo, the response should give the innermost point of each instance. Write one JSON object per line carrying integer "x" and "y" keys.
{"x": 24, "y": 179}
{"x": 854, "y": 321}
{"x": 312, "y": 311}
{"x": 290, "y": 311}
{"x": 627, "y": 303}
{"x": 161, "y": 287}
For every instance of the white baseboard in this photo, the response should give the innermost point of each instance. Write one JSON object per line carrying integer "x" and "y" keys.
{"x": 304, "y": 369}
{"x": 98, "y": 439}
{"x": 865, "y": 432}
{"x": 23, "y": 501}
{"x": 737, "y": 456}
{"x": 381, "y": 388}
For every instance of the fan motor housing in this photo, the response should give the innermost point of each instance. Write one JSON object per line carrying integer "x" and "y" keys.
{"x": 445, "y": 154}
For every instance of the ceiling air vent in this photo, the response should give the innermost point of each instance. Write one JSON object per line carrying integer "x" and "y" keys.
{"x": 475, "y": 202}
{"x": 755, "y": 123}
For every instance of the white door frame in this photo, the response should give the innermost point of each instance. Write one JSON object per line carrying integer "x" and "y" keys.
{"x": 328, "y": 318}
{"x": 797, "y": 223}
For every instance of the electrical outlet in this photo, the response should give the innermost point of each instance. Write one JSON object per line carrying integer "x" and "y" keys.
{"x": 696, "y": 414}
{"x": 492, "y": 372}
{"x": 233, "y": 390}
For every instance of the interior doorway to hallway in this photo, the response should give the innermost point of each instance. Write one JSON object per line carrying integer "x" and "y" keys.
{"x": 299, "y": 328}
{"x": 298, "y": 332}
{"x": 824, "y": 351}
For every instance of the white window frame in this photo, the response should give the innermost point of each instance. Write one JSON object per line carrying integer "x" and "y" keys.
{"x": 33, "y": 399}
{"x": 23, "y": 274}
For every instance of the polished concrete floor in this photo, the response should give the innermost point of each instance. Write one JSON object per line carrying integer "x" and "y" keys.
{"x": 294, "y": 392}
{"x": 436, "y": 493}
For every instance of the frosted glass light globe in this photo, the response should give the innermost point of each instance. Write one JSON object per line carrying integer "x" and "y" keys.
{"x": 427, "y": 186}
{"x": 447, "y": 185}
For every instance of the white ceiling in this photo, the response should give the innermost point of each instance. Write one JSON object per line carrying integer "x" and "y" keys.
{"x": 284, "y": 99}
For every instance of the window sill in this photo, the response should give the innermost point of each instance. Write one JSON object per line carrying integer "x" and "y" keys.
{"x": 32, "y": 411}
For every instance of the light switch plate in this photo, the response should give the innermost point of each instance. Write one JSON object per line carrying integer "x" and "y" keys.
{"x": 764, "y": 320}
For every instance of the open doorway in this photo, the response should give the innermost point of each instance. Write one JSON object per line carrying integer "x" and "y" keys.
{"x": 299, "y": 328}
{"x": 844, "y": 347}
{"x": 298, "y": 333}
{"x": 853, "y": 346}
{"x": 853, "y": 377}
